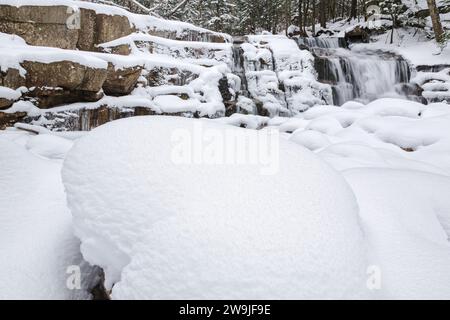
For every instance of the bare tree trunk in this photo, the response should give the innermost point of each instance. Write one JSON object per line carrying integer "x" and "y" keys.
{"x": 435, "y": 19}
{"x": 300, "y": 15}
{"x": 323, "y": 14}
{"x": 394, "y": 22}
{"x": 287, "y": 12}
{"x": 314, "y": 17}
{"x": 353, "y": 10}
{"x": 305, "y": 15}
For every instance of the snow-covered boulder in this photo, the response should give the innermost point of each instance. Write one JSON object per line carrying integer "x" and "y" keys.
{"x": 8, "y": 96}
{"x": 166, "y": 214}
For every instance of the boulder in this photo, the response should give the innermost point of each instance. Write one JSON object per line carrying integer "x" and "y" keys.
{"x": 159, "y": 76}
{"x": 8, "y": 97}
{"x": 56, "y": 83}
{"x": 62, "y": 26}
{"x": 46, "y": 97}
{"x": 5, "y": 103}
{"x": 9, "y": 119}
{"x": 121, "y": 81}
{"x": 40, "y": 25}
{"x": 11, "y": 78}
{"x": 121, "y": 49}
{"x": 86, "y": 34}
{"x": 357, "y": 34}
{"x": 63, "y": 82}
{"x": 65, "y": 74}
{"x": 109, "y": 28}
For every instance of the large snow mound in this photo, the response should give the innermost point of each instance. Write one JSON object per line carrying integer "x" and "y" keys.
{"x": 406, "y": 217}
{"x": 191, "y": 230}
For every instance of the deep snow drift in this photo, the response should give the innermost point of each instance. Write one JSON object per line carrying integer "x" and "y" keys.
{"x": 201, "y": 227}
{"x": 37, "y": 245}
{"x": 164, "y": 228}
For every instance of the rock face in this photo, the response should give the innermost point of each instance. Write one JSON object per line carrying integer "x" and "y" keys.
{"x": 5, "y": 103}
{"x": 63, "y": 82}
{"x": 62, "y": 26}
{"x": 55, "y": 83}
{"x": 357, "y": 34}
{"x": 39, "y": 25}
{"x": 84, "y": 72}
{"x": 158, "y": 76}
{"x": 9, "y": 119}
{"x": 11, "y": 78}
{"x": 122, "y": 81}
{"x": 86, "y": 119}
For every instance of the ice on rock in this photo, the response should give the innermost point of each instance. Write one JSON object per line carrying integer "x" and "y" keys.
{"x": 211, "y": 231}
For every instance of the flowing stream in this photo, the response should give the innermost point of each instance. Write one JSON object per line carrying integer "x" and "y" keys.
{"x": 363, "y": 76}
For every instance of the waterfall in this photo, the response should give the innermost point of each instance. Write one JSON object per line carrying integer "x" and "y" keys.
{"x": 238, "y": 65}
{"x": 363, "y": 76}
{"x": 329, "y": 42}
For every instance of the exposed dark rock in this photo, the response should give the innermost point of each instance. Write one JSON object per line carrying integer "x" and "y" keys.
{"x": 122, "y": 81}
{"x": 357, "y": 34}
{"x": 45, "y": 97}
{"x": 173, "y": 76}
{"x": 12, "y": 79}
{"x": 9, "y": 119}
{"x": 5, "y": 103}
{"x": 433, "y": 68}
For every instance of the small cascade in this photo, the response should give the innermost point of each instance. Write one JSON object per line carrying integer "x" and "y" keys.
{"x": 363, "y": 76}
{"x": 238, "y": 66}
{"x": 328, "y": 42}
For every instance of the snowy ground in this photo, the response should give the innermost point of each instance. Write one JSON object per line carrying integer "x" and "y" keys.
{"x": 353, "y": 205}
{"x": 37, "y": 242}
{"x": 374, "y": 185}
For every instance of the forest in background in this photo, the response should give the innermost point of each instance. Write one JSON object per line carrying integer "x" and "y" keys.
{"x": 239, "y": 17}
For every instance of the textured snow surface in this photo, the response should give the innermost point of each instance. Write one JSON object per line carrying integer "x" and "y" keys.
{"x": 37, "y": 245}
{"x": 186, "y": 231}
{"x": 406, "y": 218}
{"x": 387, "y": 133}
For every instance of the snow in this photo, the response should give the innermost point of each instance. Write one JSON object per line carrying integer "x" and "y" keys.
{"x": 36, "y": 241}
{"x": 408, "y": 230}
{"x": 161, "y": 228}
{"x": 413, "y": 45}
{"x": 273, "y": 60}
{"x": 9, "y": 94}
{"x": 15, "y": 51}
{"x": 24, "y": 106}
{"x": 436, "y": 85}
{"x": 357, "y": 186}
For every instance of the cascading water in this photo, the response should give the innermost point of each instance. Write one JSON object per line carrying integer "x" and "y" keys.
{"x": 363, "y": 76}
{"x": 238, "y": 67}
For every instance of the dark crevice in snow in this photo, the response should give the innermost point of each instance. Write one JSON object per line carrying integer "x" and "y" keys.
{"x": 99, "y": 291}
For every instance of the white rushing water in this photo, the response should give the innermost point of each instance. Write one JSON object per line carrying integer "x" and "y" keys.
{"x": 363, "y": 76}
